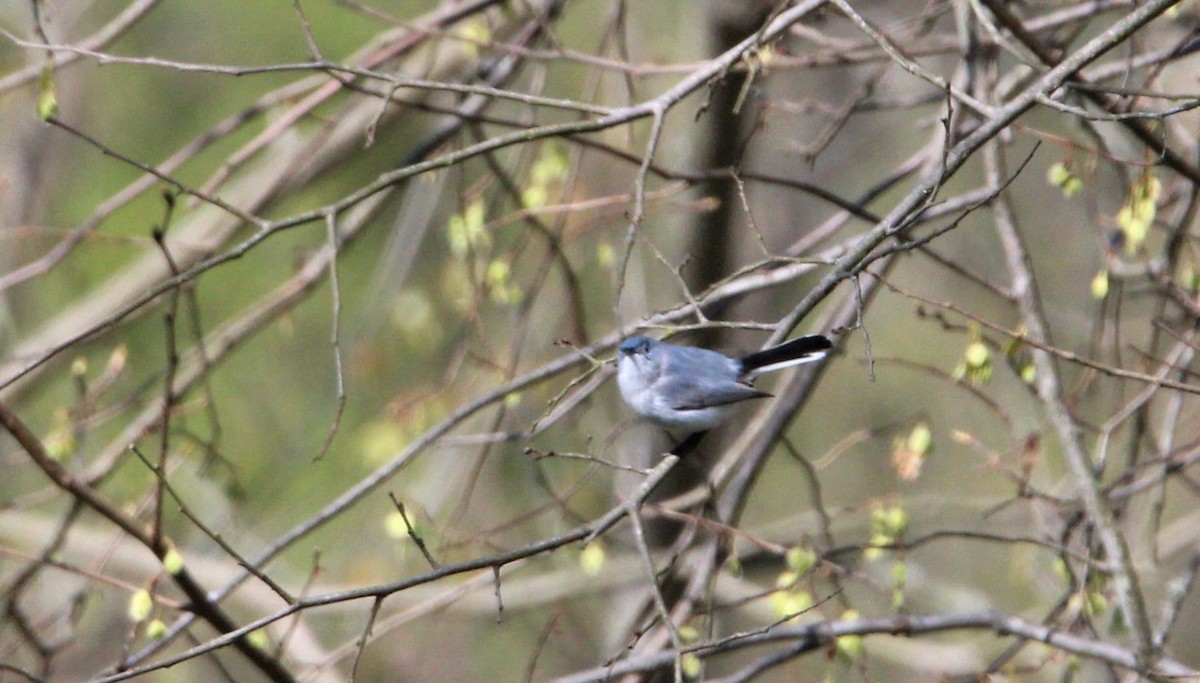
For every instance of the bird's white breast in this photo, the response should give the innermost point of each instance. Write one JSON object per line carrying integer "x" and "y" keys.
{"x": 632, "y": 389}
{"x": 639, "y": 393}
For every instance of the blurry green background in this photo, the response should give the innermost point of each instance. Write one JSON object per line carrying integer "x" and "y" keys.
{"x": 419, "y": 340}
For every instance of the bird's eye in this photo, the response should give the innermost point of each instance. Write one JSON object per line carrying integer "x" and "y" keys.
{"x": 633, "y": 346}
{"x": 636, "y": 346}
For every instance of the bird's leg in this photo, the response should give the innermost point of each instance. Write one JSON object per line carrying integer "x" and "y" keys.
{"x": 685, "y": 447}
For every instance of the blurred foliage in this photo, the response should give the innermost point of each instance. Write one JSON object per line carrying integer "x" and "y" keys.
{"x": 463, "y": 279}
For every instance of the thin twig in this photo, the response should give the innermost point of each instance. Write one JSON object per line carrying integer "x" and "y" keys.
{"x": 412, "y": 533}
{"x": 582, "y": 533}
{"x": 335, "y": 288}
{"x": 199, "y": 600}
{"x": 366, "y": 635}
{"x": 815, "y": 636}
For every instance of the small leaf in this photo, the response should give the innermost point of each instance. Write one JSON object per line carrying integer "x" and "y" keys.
{"x": 786, "y": 579}
{"x": 501, "y": 288}
{"x": 380, "y": 440}
{"x": 920, "y": 439}
{"x": 1063, "y": 177}
{"x": 1139, "y": 211}
{"x": 874, "y": 553}
{"x": 691, "y": 665}
{"x": 498, "y": 272}
{"x": 1094, "y": 602}
{"x": 172, "y": 562}
{"x": 60, "y": 443}
{"x": 259, "y": 639}
{"x": 156, "y": 629}
{"x": 1072, "y": 187}
{"x": 473, "y": 216}
{"x": 474, "y": 33}
{"x": 140, "y": 605}
{"x": 791, "y": 603}
{"x": 605, "y": 255}
{"x": 688, "y": 633}
{"x": 47, "y": 105}
{"x": 394, "y": 526}
{"x": 800, "y": 560}
{"x": 592, "y": 558}
{"x": 976, "y": 364}
{"x": 889, "y": 522}
{"x": 1060, "y": 567}
{"x": 977, "y": 354}
{"x": 1100, "y": 284}
{"x": 850, "y": 646}
{"x": 550, "y": 167}
{"x": 1028, "y": 373}
{"x": 1058, "y": 173}
{"x": 117, "y": 359}
{"x": 465, "y": 231}
{"x": 535, "y": 197}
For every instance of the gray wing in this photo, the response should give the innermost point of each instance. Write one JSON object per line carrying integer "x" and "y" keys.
{"x": 688, "y": 394}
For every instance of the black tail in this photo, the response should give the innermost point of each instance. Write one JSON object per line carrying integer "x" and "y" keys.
{"x": 797, "y": 351}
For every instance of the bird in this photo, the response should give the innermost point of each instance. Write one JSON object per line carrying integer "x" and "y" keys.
{"x": 687, "y": 389}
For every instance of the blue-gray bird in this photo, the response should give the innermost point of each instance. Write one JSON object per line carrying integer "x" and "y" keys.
{"x": 688, "y": 390}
